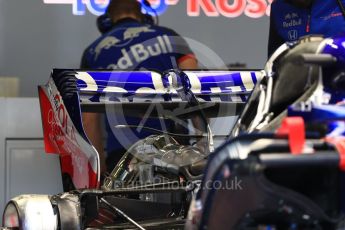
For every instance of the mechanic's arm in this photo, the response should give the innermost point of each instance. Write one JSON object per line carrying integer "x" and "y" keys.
{"x": 188, "y": 62}
{"x": 93, "y": 130}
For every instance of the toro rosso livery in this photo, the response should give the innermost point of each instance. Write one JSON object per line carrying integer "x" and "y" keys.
{"x": 281, "y": 167}
{"x": 67, "y": 92}
{"x": 120, "y": 201}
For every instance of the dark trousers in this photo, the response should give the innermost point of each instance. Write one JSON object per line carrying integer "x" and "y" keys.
{"x": 113, "y": 158}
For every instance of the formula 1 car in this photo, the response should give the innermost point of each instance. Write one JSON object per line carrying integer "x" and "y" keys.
{"x": 152, "y": 186}
{"x": 288, "y": 178}
{"x": 288, "y": 172}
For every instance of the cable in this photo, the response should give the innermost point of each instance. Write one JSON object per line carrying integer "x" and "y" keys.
{"x": 122, "y": 214}
{"x": 157, "y": 131}
{"x": 167, "y": 133}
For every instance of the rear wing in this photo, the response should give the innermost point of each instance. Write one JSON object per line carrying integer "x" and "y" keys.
{"x": 68, "y": 92}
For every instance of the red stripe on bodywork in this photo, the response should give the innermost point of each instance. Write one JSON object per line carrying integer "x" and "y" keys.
{"x": 46, "y": 107}
{"x": 58, "y": 139}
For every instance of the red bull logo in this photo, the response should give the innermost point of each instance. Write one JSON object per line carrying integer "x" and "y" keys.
{"x": 194, "y": 8}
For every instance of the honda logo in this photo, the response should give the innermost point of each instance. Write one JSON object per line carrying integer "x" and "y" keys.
{"x": 293, "y": 35}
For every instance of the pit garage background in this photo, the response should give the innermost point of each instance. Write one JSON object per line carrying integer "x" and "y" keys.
{"x": 37, "y": 35}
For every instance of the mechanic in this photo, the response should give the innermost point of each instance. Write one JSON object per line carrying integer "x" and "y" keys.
{"x": 130, "y": 41}
{"x": 292, "y": 19}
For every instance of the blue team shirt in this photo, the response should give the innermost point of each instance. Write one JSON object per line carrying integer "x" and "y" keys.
{"x": 131, "y": 45}
{"x": 289, "y": 23}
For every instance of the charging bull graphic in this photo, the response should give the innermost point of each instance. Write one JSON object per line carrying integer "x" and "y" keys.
{"x": 106, "y": 43}
{"x": 135, "y": 32}
{"x": 194, "y": 8}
